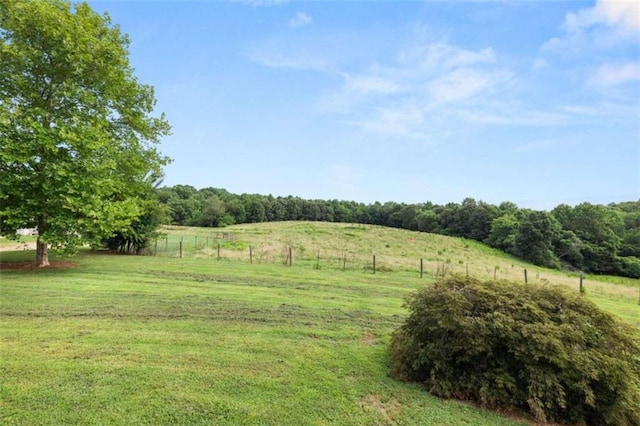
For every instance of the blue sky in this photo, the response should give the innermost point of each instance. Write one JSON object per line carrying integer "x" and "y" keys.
{"x": 534, "y": 102}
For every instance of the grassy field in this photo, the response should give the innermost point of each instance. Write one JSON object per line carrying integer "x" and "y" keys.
{"x": 397, "y": 252}
{"x": 163, "y": 340}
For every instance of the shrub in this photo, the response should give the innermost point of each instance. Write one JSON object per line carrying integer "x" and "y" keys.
{"x": 534, "y": 348}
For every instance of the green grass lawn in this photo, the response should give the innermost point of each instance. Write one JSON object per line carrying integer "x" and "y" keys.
{"x": 162, "y": 340}
{"x": 140, "y": 340}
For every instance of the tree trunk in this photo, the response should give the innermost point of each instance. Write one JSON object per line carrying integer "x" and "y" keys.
{"x": 42, "y": 254}
{"x": 42, "y": 248}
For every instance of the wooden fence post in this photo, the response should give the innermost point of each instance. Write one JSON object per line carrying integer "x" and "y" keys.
{"x": 155, "y": 248}
{"x": 290, "y": 257}
{"x": 250, "y": 255}
{"x": 218, "y": 250}
{"x": 344, "y": 262}
{"x": 421, "y": 267}
{"x": 581, "y": 289}
{"x": 374, "y": 264}
{"x": 181, "y": 248}
{"x": 525, "y": 276}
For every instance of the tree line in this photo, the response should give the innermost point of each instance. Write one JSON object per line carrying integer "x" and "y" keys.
{"x": 600, "y": 239}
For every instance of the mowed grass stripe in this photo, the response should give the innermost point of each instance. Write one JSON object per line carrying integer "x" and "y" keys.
{"x": 131, "y": 340}
{"x": 162, "y": 287}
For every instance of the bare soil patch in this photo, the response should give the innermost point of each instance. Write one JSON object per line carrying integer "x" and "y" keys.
{"x": 368, "y": 338}
{"x": 389, "y": 410}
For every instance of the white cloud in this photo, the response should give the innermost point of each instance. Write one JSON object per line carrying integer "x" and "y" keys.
{"x": 371, "y": 84}
{"x": 608, "y": 23}
{"x": 403, "y": 120}
{"x": 419, "y": 93}
{"x": 620, "y": 13}
{"x": 460, "y": 57}
{"x": 425, "y": 83}
{"x": 300, "y": 20}
{"x": 440, "y": 71}
{"x": 445, "y": 56}
{"x": 588, "y": 110}
{"x": 597, "y": 54}
{"x": 465, "y": 83}
{"x": 615, "y": 74}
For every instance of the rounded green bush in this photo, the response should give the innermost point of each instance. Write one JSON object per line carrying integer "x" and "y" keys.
{"x": 533, "y": 348}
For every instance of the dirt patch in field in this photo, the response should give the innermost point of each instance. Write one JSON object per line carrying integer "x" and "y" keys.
{"x": 30, "y": 266}
{"x": 368, "y": 338}
{"x": 389, "y": 410}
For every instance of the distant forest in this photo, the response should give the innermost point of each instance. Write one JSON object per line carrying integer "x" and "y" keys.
{"x": 599, "y": 239}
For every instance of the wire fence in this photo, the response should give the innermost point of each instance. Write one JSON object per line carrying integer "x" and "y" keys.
{"x": 215, "y": 248}
{"x": 223, "y": 247}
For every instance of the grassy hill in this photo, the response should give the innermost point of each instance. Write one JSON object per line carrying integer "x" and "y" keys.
{"x": 193, "y": 340}
{"x": 397, "y": 251}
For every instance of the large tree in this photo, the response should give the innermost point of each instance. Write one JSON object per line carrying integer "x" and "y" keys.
{"x": 77, "y": 135}
{"x": 600, "y": 231}
{"x": 534, "y": 241}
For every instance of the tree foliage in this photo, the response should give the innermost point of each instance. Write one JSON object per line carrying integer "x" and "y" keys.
{"x": 76, "y": 132}
{"x": 599, "y": 230}
{"x": 535, "y": 348}
{"x": 134, "y": 238}
{"x": 535, "y": 238}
